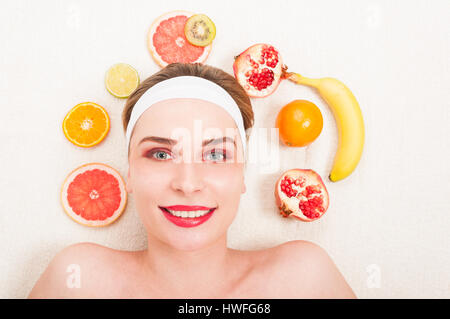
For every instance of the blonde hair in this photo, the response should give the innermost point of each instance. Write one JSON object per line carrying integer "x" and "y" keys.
{"x": 216, "y": 75}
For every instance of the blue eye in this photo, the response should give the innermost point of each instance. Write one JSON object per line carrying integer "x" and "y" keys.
{"x": 217, "y": 155}
{"x": 160, "y": 155}
{"x": 214, "y": 155}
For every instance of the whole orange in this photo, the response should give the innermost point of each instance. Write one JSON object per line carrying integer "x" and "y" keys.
{"x": 299, "y": 122}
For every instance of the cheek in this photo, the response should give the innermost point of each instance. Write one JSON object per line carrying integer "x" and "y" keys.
{"x": 152, "y": 183}
{"x": 148, "y": 183}
{"x": 226, "y": 183}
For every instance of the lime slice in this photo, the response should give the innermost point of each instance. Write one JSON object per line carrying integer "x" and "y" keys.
{"x": 200, "y": 30}
{"x": 121, "y": 80}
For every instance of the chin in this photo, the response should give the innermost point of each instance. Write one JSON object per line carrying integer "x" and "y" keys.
{"x": 189, "y": 238}
{"x": 191, "y": 242}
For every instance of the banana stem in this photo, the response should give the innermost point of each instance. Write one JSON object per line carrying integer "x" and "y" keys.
{"x": 298, "y": 79}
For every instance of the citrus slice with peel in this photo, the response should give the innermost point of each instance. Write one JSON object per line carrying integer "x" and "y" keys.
{"x": 167, "y": 41}
{"x": 200, "y": 30}
{"x": 86, "y": 124}
{"x": 121, "y": 80}
{"x": 94, "y": 195}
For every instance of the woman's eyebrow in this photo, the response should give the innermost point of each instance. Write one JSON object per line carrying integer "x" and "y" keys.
{"x": 157, "y": 139}
{"x": 171, "y": 142}
{"x": 218, "y": 140}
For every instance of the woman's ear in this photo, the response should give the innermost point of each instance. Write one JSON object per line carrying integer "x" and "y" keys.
{"x": 128, "y": 184}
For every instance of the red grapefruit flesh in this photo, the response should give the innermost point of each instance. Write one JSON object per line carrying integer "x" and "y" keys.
{"x": 94, "y": 195}
{"x": 167, "y": 42}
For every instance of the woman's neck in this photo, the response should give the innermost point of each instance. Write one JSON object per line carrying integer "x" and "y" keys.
{"x": 197, "y": 272}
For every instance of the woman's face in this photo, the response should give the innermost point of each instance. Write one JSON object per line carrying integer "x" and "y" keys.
{"x": 186, "y": 173}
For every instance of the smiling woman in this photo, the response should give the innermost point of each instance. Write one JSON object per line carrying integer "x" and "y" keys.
{"x": 186, "y": 129}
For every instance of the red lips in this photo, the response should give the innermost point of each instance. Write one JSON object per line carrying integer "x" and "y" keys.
{"x": 186, "y": 221}
{"x": 187, "y": 208}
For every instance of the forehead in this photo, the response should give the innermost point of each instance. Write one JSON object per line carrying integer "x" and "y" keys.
{"x": 164, "y": 117}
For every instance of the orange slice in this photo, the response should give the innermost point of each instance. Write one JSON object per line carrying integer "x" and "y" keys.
{"x": 86, "y": 124}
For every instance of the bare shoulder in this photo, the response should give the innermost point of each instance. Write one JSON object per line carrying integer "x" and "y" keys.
{"x": 78, "y": 271}
{"x": 305, "y": 270}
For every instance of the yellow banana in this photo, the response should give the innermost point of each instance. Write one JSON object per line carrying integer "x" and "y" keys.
{"x": 349, "y": 121}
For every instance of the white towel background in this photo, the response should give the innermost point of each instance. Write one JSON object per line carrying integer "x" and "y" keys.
{"x": 387, "y": 225}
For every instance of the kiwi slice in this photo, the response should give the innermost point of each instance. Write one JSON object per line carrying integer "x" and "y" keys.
{"x": 200, "y": 30}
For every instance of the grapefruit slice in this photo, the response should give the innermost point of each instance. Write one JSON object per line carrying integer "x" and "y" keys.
{"x": 94, "y": 195}
{"x": 167, "y": 42}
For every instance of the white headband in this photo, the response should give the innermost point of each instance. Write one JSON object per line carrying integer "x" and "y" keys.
{"x": 187, "y": 87}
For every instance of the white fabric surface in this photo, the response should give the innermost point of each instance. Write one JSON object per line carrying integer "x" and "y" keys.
{"x": 388, "y": 221}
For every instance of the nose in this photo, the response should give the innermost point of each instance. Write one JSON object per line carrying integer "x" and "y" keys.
{"x": 188, "y": 178}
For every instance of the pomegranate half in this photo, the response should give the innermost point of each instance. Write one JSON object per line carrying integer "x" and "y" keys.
{"x": 258, "y": 70}
{"x": 301, "y": 193}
